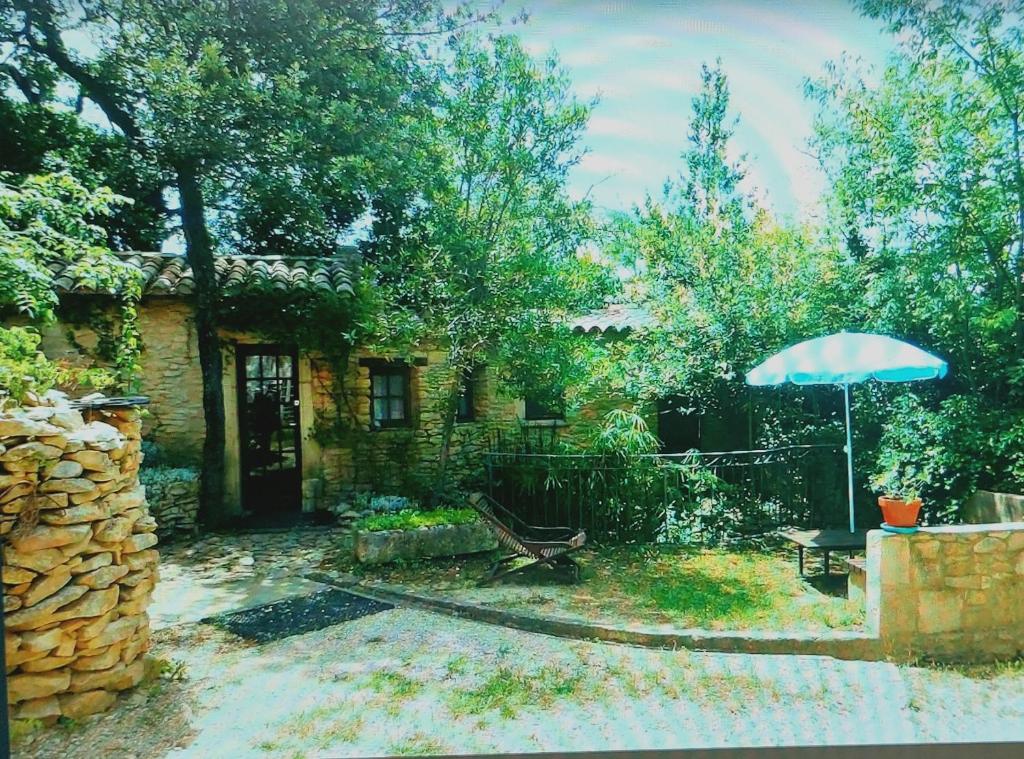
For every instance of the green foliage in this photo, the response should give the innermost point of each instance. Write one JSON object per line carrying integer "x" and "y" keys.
{"x": 409, "y": 519}
{"x": 40, "y": 139}
{"x": 492, "y": 259}
{"x": 24, "y": 368}
{"x": 161, "y": 476}
{"x": 941, "y": 453}
{"x": 928, "y": 199}
{"x": 725, "y": 283}
{"x": 625, "y": 432}
{"x": 47, "y": 221}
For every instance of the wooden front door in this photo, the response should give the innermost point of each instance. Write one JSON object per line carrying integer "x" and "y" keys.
{"x": 268, "y": 409}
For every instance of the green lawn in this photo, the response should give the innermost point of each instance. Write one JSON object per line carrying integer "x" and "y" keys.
{"x": 702, "y": 588}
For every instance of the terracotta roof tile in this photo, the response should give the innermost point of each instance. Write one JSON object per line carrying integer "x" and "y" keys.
{"x": 168, "y": 274}
{"x": 618, "y": 317}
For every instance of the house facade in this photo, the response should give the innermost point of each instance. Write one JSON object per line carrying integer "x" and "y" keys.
{"x": 302, "y": 432}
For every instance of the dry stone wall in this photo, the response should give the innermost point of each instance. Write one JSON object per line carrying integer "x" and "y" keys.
{"x": 79, "y": 562}
{"x": 950, "y": 592}
{"x": 172, "y": 495}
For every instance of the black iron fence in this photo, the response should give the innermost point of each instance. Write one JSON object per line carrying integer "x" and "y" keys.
{"x": 703, "y": 498}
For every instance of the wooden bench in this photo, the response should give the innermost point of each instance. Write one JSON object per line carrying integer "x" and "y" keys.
{"x": 827, "y": 541}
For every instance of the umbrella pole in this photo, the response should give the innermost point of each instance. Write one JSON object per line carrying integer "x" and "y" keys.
{"x": 849, "y": 452}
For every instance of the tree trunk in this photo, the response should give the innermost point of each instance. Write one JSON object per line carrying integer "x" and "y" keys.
{"x": 449, "y": 410}
{"x": 199, "y": 249}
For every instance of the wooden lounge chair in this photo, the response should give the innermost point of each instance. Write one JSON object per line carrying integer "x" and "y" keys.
{"x": 545, "y": 545}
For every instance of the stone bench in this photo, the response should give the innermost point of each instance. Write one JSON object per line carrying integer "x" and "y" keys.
{"x": 857, "y": 578}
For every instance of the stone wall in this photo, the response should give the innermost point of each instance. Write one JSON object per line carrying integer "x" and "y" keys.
{"x": 953, "y": 592}
{"x": 986, "y": 507}
{"x": 79, "y": 563}
{"x": 170, "y": 375}
{"x": 404, "y": 460}
{"x": 423, "y": 542}
{"x": 173, "y": 498}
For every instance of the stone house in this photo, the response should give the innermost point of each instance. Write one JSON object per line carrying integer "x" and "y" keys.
{"x": 284, "y": 454}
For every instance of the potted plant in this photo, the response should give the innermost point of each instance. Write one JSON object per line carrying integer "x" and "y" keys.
{"x": 899, "y": 489}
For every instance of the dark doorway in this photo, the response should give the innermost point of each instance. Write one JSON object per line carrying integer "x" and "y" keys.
{"x": 268, "y": 411}
{"x": 678, "y": 425}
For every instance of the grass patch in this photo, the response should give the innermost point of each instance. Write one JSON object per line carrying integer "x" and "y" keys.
{"x": 1013, "y": 668}
{"x": 508, "y": 689}
{"x": 22, "y": 729}
{"x": 456, "y": 666}
{"x": 409, "y": 519}
{"x": 396, "y": 688}
{"x": 718, "y": 589}
{"x": 418, "y": 745}
{"x": 714, "y": 589}
{"x": 323, "y": 726}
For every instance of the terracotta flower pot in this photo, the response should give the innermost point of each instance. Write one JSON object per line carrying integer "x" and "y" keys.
{"x": 900, "y": 513}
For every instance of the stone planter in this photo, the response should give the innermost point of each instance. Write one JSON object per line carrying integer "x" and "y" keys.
{"x": 424, "y": 542}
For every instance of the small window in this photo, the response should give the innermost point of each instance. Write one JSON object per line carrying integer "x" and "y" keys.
{"x": 537, "y": 411}
{"x": 389, "y": 391}
{"x": 466, "y": 410}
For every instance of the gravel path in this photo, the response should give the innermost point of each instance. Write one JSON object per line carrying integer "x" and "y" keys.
{"x": 410, "y": 682}
{"x": 222, "y": 573}
{"x": 405, "y": 681}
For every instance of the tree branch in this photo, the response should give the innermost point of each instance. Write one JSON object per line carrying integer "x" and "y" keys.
{"x": 23, "y": 83}
{"x": 52, "y": 47}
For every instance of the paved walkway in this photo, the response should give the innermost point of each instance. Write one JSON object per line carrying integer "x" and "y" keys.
{"x": 221, "y": 573}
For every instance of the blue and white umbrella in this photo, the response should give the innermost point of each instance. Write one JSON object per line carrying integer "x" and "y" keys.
{"x": 844, "y": 359}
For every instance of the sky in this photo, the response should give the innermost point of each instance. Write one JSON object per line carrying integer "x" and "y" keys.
{"x": 643, "y": 58}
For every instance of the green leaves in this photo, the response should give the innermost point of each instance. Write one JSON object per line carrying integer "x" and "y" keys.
{"x": 488, "y": 259}
{"x": 47, "y": 223}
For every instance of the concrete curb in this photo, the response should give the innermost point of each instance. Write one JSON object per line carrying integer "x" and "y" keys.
{"x": 839, "y": 645}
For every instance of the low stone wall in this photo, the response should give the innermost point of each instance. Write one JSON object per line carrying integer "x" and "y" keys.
{"x": 986, "y": 507}
{"x": 424, "y": 542}
{"x": 79, "y": 563}
{"x": 173, "y": 498}
{"x": 948, "y": 593}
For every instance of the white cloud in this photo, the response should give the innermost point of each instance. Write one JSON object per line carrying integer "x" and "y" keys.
{"x": 642, "y": 41}
{"x": 627, "y": 129}
{"x": 584, "y": 57}
{"x": 672, "y": 77}
{"x": 608, "y": 165}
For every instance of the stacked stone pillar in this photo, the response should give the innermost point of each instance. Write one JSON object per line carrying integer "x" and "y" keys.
{"x": 79, "y": 563}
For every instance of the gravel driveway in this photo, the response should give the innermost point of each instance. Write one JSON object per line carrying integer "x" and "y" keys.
{"x": 410, "y": 682}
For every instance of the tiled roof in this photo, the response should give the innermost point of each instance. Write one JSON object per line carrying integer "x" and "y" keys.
{"x": 169, "y": 274}
{"x": 618, "y": 317}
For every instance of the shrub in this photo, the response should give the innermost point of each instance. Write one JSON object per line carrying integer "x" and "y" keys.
{"x": 158, "y": 477}
{"x": 24, "y": 368}
{"x": 410, "y": 519}
{"x": 951, "y": 450}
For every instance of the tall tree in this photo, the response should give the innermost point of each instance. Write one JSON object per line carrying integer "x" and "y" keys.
{"x": 494, "y": 257}
{"x": 726, "y": 283}
{"x": 275, "y": 123}
{"x": 927, "y": 174}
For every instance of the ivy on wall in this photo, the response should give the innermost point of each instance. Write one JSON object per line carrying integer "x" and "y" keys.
{"x": 319, "y": 324}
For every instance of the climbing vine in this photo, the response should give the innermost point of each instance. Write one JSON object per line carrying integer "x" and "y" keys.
{"x": 321, "y": 324}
